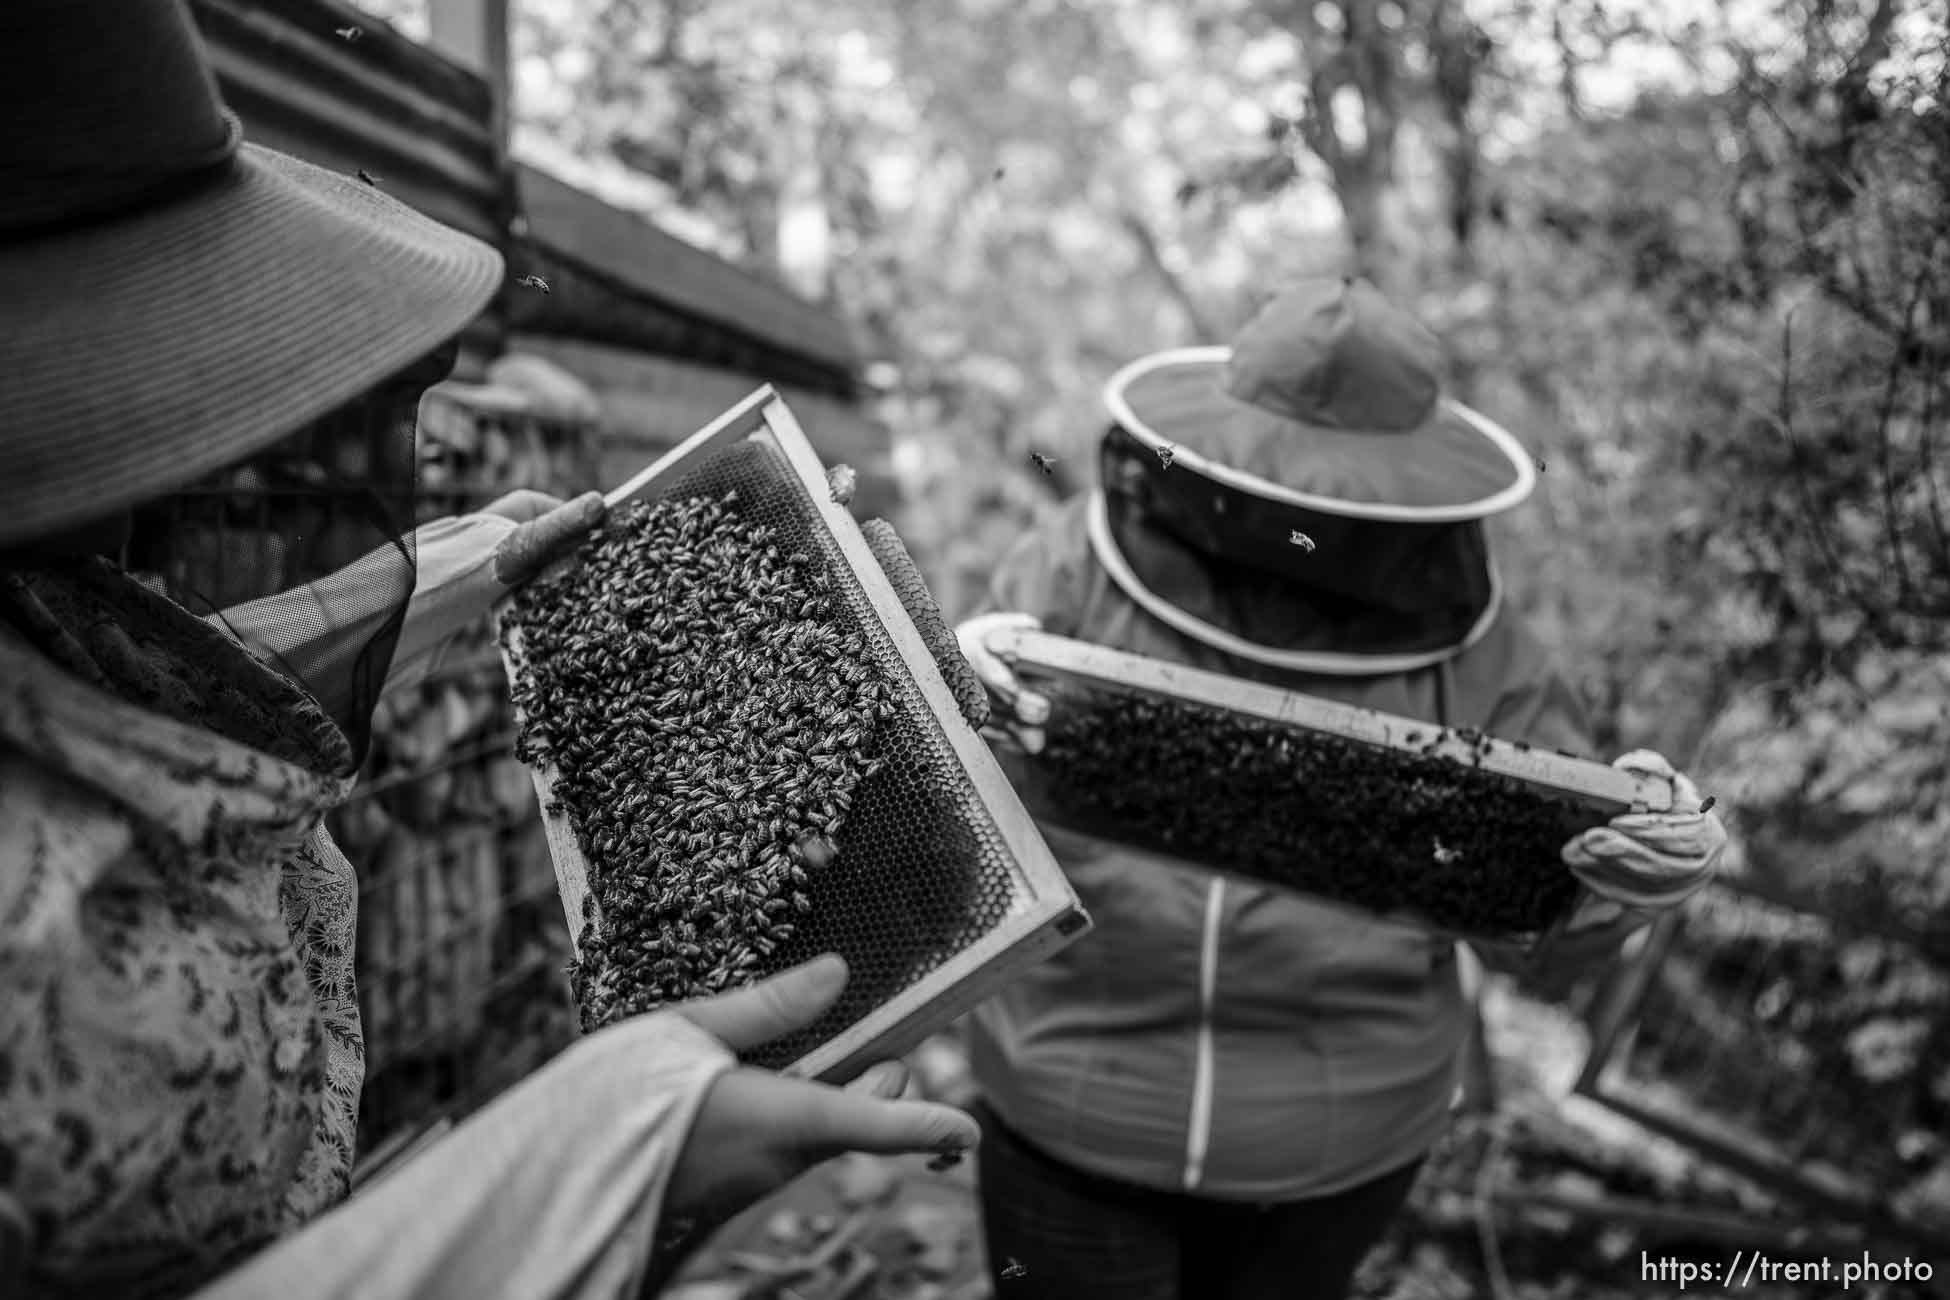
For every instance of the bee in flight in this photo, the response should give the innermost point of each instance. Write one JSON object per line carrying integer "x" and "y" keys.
{"x": 1167, "y": 454}
{"x": 815, "y": 850}
{"x": 367, "y": 177}
{"x": 349, "y": 34}
{"x": 1302, "y": 541}
{"x": 841, "y": 482}
{"x": 1014, "y": 1270}
{"x": 534, "y": 282}
{"x": 1445, "y": 856}
{"x": 1043, "y": 463}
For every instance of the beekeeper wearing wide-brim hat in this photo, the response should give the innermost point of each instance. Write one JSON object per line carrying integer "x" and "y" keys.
{"x": 180, "y": 1049}
{"x": 1226, "y": 1089}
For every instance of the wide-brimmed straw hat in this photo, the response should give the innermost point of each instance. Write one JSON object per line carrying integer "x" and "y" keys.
{"x": 1330, "y": 399}
{"x": 174, "y": 298}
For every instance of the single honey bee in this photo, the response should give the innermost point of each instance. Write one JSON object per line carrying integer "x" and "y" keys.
{"x": 1014, "y": 1270}
{"x": 1446, "y": 855}
{"x": 1302, "y": 541}
{"x": 349, "y": 34}
{"x": 1167, "y": 454}
{"x": 534, "y": 282}
{"x": 841, "y": 482}
{"x": 1043, "y": 463}
{"x": 815, "y": 850}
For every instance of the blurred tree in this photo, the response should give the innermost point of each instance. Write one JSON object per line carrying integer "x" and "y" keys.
{"x": 410, "y": 17}
{"x": 1459, "y": 50}
{"x": 1019, "y": 198}
{"x": 1352, "y": 114}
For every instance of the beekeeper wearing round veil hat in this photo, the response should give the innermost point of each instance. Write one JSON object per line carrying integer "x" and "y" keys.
{"x": 192, "y": 327}
{"x": 1225, "y": 1089}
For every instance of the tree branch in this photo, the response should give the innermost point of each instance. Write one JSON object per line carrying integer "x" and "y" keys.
{"x": 1153, "y": 257}
{"x": 1568, "y": 65}
{"x": 670, "y": 44}
{"x": 1885, "y": 416}
{"x": 1932, "y": 367}
{"x": 1325, "y": 74}
{"x": 1812, "y": 512}
{"x": 1873, "y": 49}
{"x": 1458, "y": 48}
{"x": 1373, "y": 56}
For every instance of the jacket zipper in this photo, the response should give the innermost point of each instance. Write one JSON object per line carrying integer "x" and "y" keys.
{"x": 1199, "y": 1136}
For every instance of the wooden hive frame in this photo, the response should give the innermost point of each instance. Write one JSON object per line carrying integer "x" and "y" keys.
{"x": 1601, "y": 787}
{"x": 1046, "y": 917}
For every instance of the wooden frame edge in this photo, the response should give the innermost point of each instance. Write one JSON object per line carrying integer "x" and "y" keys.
{"x": 1051, "y": 918}
{"x": 1025, "y": 843}
{"x": 970, "y": 977}
{"x": 740, "y": 421}
{"x": 1591, "y": 782}
{"x": 565, "y": 852}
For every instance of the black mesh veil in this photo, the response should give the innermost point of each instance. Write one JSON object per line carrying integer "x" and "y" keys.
{"x": 305, "y": 551}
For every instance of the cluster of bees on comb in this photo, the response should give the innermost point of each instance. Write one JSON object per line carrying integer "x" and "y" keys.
{"x": 709, "y": 720}
{"x": 1395, "y": 832}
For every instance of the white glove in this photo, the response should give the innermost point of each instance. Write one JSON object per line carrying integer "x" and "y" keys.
{"x": 1651, "y": 861}
{"x": 1020, "y": 713}
{"x": 560, "y": 1187}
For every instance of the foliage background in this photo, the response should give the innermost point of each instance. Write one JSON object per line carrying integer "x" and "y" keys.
{"x": 1694, "y": 253}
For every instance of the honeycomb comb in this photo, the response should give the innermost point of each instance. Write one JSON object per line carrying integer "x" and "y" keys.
{"x": 936, "y": 887}
{"x": 1447, "y": 829}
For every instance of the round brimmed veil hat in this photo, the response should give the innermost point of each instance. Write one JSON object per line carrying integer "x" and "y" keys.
{"x": 175, "y": 298}
{"x": 1330, "y": 399}
{"x": 1325, "y": 419}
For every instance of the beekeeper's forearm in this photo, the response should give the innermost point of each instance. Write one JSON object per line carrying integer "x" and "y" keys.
{"x": 452, "y": 592}
{"x": 456, "y": 589}
{"x": 551, "y": 1193}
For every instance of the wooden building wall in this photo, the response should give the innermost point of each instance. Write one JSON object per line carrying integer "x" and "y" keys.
{"x": 660, "y": 329}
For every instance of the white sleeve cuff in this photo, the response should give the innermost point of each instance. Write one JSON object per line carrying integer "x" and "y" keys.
{"x": 553, "y": 1192}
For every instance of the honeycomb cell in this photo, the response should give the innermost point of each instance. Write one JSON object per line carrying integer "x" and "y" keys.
{"x": 970, "y": 696}
{"x": 713, "y": 688}
{"x": 1467, "y": 850}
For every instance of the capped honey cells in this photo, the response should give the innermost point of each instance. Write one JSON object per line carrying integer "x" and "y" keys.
{"x": 1467, "y": 850}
